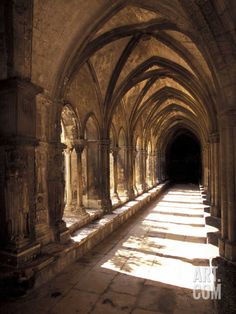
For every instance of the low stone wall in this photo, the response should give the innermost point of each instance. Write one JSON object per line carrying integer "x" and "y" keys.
{"x": 56, "y": 256}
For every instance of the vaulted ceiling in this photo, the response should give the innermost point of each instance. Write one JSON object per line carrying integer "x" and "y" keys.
{"x": 138, "y": 64}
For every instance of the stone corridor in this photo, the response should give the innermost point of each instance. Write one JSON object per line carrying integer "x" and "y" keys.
{"x": 146, "y": 266}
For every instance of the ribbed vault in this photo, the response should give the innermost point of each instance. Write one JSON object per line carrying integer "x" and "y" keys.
{"x": 143, "y": 71}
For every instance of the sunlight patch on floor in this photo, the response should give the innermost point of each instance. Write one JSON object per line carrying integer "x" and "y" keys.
{"x": 163, "y": 247}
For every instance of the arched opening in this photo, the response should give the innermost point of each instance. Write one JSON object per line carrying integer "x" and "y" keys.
{"x": 68, "y": 135}
{"x": 183, "y": 158}
{"x": 149, "y": 169}
{"x": 121, "y": 164}
{"x": 138, "y": 166}
{"x": 91, "y": 172}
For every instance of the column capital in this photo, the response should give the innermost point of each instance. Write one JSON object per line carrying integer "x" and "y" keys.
{"x": 104, "y": 142}
{"x": 228, "y": 117}
{"x": 68, "y": 150}
{"x": 114, "y": 150}
{"x": 17, "y": 83}
{"x": 135, "y": 152}
{"x": 129, "y": 147}
{"x": 214, "y": 137}
{"x": 79, "y": 146}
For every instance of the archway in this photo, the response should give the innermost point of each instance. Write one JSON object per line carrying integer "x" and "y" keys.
{"x": 183, "y": 158}
{"x": 68, "y": 135}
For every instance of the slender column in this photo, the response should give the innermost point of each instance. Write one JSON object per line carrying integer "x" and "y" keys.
{"x": 223, "y": 185}
{"x": 129, "y": 171}
{"x": 214, "y": 151}
{"x": 135, "y": 156}
{"x": 159, "y": 166}
{"x": 68, "y": 152}
{"x": 115, "y": 151}
{"x": 154, "y": 168}
{"x": 205, "y": 168}
{"x": 143, "y": 169}
{"x": 139, "y": 170}
{"x": 215, "y": 143}
{"x": 148, "y": 172}
{"x": 79, "y": 147}
{"x": 122, "y": 173}
{"x": 104, "y": 153}
{"x": 212, "y": 176}
{"x": 56, "y": 190}
{"x": 228, "y": 150}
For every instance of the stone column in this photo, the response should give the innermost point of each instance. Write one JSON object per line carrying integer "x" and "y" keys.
{"x": 129, "y": 168}
{"x": 154, "y": 168}
{"x": 56, "y": 190}
{"x": 214, "y": 175}
{"x": 205, "y": 158}
{"x": 159, "y": 166}
{"x": 79, "y": 147}
{"x": 17, "y": 172}
{"x": 115, "y": 151}
{"x": 104, "y": 162}
{"x": 135, "y": 157}
{"x": 122, "y": 173}
{"x": 143, "y": 169}
{"x": 227, "y": 242}
{"x": 163, "y": 165}
{"x": 68, "y": 173}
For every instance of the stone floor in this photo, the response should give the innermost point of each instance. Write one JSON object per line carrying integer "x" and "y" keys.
{"x": 146, "y": 266}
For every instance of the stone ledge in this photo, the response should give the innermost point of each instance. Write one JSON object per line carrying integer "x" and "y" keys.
{"x": 56, "y": 256}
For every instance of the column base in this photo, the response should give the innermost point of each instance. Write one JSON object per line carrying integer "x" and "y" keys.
{"x": 69, "y": 208}
{"x": 106, "y": 206}
{"x": 144, "y": 188}
{"x": 214, "y": 210}
{"x": 80, "y": 210}
{"x": 221, "y": 245}
{"x": 19, "y": 257}
{"x": 62, "y": 232}
{"x": 116, "y": 197}
{"x": 131, "y": 194}
{"x": 44, "y": 234}
{"x": 64, "y": 236}
{"x": 227, "y": 249}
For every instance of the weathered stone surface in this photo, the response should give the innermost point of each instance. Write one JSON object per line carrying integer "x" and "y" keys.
{"x": 96, "y": 98}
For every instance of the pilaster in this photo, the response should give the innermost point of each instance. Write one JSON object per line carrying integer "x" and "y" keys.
{"x": 17, "y": 172}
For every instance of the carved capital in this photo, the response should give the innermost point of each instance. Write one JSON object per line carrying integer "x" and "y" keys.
{"x": 79, "y": 145}
{"x": 228, "y": 118}
{"x": 214, "y": 137}
{"x": 115, "y": 150}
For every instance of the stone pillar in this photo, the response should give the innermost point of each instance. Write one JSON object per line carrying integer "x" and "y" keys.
{"x": 214, "y": 174}
{"x": 56, "y": 190}
{"x": 122, "y": 173}
{"x": 129, "y": 168}
{"x": 17, "y": 172}
{"x": 154, "y": 168}
{"x": 143, "y": 170}
{"x": 138, "y": 171}
{"x": 148, "y": 168}
{"x": 79, "y": 147}
{"x": 68, "y": 174}
{"x": 205, "y": 158}
{"x": 227, "y": 243}
{"x": 163, "y": 165}
{"x": 159, "y": 166}
{"x": 135, "y": 157}
{"x": 104, "y": 162}
{"x": 115, "y": 151}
